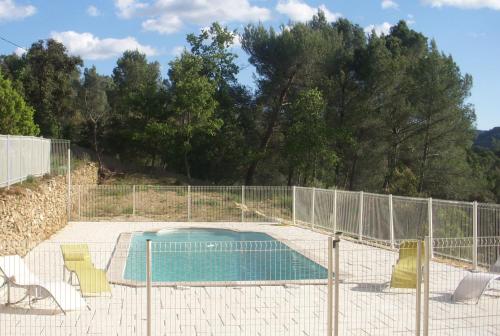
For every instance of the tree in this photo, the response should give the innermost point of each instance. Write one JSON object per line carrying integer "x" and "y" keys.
{"x": 49, "y": 79}
{"x": 281, "y": 60}
{"x": 307, "y": 148}
{"x": 16, "y": 117}
{"x": 192, "y": 103}
{"x": 94, "y": 105}
{"x": 445, "y": 124}
{"x": 223, "y": 156}
{"x": 137, "y": 100}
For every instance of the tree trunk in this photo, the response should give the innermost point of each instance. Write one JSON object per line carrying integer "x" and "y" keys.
{"x": 96, "y": 147}
{"x": 392, "y": 158}
{"x": 273, "y": 120}
{"x": 187, "y": 167}
{"x": 291, "y": 170}
{"x": 353, "y": 171}
{"x": 425, "y": 156}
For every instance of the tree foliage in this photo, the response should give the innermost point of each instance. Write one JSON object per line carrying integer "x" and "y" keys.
{"x": 16, "y": 116}
{"x": 331, "y": 106}
{"x": 192, "y": 103}
{"x": 49, "y": 78}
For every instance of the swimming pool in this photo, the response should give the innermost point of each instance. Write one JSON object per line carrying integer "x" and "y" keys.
{"x": 205, "y": 255}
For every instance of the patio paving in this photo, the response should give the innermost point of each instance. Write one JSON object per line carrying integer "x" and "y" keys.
{"x": 367, "y": 305}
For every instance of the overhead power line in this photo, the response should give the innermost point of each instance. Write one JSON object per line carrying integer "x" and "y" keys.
{"x": 13, "y": 43}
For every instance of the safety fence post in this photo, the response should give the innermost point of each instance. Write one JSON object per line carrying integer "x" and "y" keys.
{"x": 333, "y": 286}
{"x": 391, "y": 220}
{"x": 189, "y": 203}
{"x": 335, "y": 210}
{"x": 313, "y": 196}
{"x": 360, "y": 223}
{"x": 242, "y": 203}
{"x": 148, "y": 286}
{"x": 294, "y": 192}
{"x": 474, "y": 234}
{"x": 69, "y": 184}
{"x": 418, "y": 296}
{"x": 427, "y": 261}
{"x": 429, "y": 219}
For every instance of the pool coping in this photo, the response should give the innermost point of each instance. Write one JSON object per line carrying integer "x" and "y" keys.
{"x": 118, "y": 262}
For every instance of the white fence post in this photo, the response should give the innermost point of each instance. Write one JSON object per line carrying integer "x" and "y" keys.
{"x": 330, "y": 288}
{"x": 336, "y": 303}
{"x": 474, "y": 234}
{"x": 313, "y": 196}
{"x": 148, "y": 286}
{"x": 242, "y": 203}
{"x": 69, "y": 184}
{"x": 189, "y": 203}
{"x": 294, "y": 190}
{"x": 418, "y": 296}
{"x": 335, "y": 210}
{"x": 8, "y": 162}
{"x": 427, "y": 245}
{"x": 133, "y": 200}
{"x": 429, "y": 219}
{"x": 360, "y": 223}
{"x": 391, "y": 220}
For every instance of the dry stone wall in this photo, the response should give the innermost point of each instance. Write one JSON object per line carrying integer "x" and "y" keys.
{"x": 31, "y": 214}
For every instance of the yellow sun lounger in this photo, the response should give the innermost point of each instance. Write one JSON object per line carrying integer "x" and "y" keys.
{"x": 404, "y": 273}
{"x": 77, "y": 260}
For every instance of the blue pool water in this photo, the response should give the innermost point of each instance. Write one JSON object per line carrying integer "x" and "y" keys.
{"x": 217, "y": 255}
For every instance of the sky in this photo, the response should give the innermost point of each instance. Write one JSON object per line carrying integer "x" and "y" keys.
{"x": 100, "y": 30}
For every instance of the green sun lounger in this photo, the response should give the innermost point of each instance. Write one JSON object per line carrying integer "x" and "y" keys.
{"x": 77, "y": 260}
{"x": 404, "y": 273}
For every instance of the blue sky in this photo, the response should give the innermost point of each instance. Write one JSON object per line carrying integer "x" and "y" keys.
{"x": 100, "y": 30}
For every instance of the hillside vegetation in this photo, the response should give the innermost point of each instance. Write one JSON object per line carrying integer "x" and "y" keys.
{"x": 488, "y": 139}
{"x": 332, "y": 106}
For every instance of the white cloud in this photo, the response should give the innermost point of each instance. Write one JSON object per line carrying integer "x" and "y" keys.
{"x": 127, "y": 8}
{"x": 383, "y": 28}
{"x": 10, "y": 11}
{"x": 410, "y": 19}
{"x": 19, "y": 51}
{"x": 177, "y": 51}
{"x": 93, "y": 11}
{"x": 165, "y": 24}
{"x": 389, "y": 4}
{"x": 92, "y": 47}
{"x": 236, "y": 41}
{"x": 300, "y": 11}
{"x": 168, "y": 16}
{"x": 465, "y": 4}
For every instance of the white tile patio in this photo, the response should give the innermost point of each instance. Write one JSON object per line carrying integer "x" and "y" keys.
{"x": 367, "y": 305}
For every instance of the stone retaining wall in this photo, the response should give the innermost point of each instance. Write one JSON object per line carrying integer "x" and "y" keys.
{"x": 31, "y": 213}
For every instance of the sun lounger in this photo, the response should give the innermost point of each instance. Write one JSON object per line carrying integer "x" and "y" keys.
{"x": 77, "y": 260}
{"x": 76, "y": 256}
{"x": 17, "y": 275}
{"x": 404, "y": 273}
{"x": 473, "y": 286}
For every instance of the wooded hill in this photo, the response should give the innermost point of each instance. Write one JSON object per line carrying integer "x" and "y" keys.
{"x": 332, "y": 106}
{"x": 488, "y": 139}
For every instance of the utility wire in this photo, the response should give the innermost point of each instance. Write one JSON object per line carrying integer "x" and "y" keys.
{"x": 13, "y": 43}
